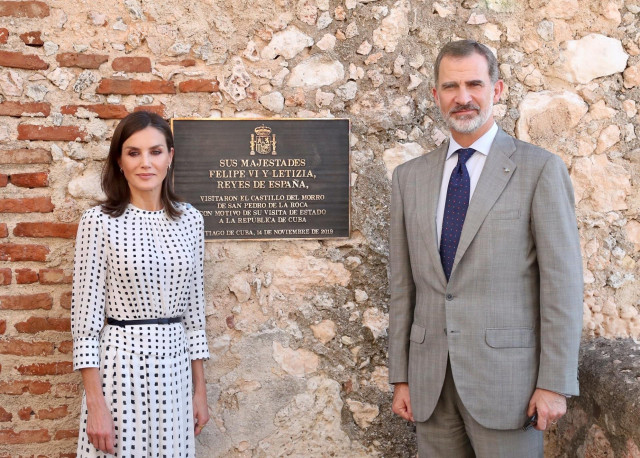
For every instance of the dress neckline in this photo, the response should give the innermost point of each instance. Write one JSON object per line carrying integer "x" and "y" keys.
{"x": 138, "y": 210}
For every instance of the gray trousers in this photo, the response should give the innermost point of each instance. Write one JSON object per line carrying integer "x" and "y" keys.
{"x": 451, "y": 432}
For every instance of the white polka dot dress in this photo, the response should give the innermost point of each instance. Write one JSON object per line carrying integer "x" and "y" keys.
{"x": 141, "y": 265}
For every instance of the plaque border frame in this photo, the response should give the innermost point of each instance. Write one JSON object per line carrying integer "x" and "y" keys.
{"x": 284, "y": 239}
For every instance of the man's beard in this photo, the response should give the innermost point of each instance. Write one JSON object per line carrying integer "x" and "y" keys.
{"x": 468, "y": 123}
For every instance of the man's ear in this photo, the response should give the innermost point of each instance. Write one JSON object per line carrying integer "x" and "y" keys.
{"x": 434, "y": 92}
{"x": 498, "y": 89}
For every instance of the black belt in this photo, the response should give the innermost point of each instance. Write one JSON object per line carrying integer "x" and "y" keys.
{"x": 123, "y": 323}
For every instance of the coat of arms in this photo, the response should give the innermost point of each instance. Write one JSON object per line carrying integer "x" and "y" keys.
{"x": 262, "y": 141}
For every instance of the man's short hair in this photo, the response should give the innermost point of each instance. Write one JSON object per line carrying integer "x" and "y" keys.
{"x": 465, "y": 48}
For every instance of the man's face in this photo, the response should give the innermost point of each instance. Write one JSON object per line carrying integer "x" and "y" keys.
{"x": 465, "y": 94}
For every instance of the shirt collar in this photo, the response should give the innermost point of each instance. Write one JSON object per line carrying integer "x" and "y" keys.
{"x": 482, "y": 145}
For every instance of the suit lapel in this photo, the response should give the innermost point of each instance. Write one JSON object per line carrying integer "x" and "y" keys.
{"x": 428, "y": 179}
{"x": 498, "y": 170}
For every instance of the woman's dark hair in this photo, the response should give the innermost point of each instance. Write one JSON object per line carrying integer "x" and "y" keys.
{"x": 114, "y": 184}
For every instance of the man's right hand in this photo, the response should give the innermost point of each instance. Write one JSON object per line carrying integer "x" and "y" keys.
{"x": 401, "y": 404}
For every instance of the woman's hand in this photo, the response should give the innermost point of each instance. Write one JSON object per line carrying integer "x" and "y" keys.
{"x": 100, "y": 427}
{"x": 200, "y": 411}
{"x": 200, "y": 407}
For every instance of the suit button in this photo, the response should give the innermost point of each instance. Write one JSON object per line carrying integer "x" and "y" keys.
{"x": 449, "y": 297}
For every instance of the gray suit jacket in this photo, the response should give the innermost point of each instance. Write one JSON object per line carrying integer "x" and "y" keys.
{"x": 510, "y": 317}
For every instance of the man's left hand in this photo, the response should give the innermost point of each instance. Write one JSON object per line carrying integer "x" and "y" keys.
{"x": 550, "y": 407}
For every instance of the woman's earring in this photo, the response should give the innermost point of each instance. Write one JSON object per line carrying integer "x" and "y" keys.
{"x": 121, "y": 170}
{"x": 169, "y": 168}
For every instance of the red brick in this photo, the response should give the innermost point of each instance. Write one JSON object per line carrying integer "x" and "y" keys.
{"x": 54, "y": 277}
{"x": 32, "y": 38}
{"x": 30, "y": 180}
{"x": 16, "y": 252}
{"x": 157, "y": 109}
{"x": 199, "y": 85}
{"x": 25, "y": 413}
{"x": 4, "y": 180}
{"x": 18, "y": 387}
{"x": 65, "y": 300}
{"x": 4, "y": 230}
{"x": 103, "y": 111}
{"x": 19, "y": 60}
{"x": 74, "y": 59}
{"x": 53, "y": 413}
{"x": 26, "y": 205}
{"x": 111, "y": 86}
{"x": 57, "y": 368}
{"x": 4, "y": 35}
{"x": 9, "y": 436}
{"x": 38, "y": 324}
{"x": 53, "y": 133}
{"x": 4, "y": 415}
{"x": 25, "y": 156}
{"x": 3, "y": 326}
{"x": 44, "y": 229}
{"x": 30, "y": 9}
{"x": 26, "y": 302}
{"x": 18, "y": 109}
{"x": 132, "y": 64}
{"x": 66, "y": 434}
{"x": 66, "y": 390}
{"x": 66, "y": 346}
{"x": 23, "y": 348}
{"x": 182, "y": 63}
{"x": 26, "y": 276}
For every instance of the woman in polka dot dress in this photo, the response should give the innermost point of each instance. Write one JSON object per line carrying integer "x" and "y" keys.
{"x": 139, "y": 265}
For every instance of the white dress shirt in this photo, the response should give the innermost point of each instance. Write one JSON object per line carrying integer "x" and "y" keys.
{"x": 475, "y": 164}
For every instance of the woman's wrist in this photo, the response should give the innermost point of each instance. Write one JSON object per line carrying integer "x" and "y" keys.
{"x": 200, "y": 389}
{"x": 95, "y": 402}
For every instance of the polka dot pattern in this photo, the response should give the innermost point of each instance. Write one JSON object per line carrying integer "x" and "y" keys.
{"x": 141, "y": 265}
{"x": 455, "y": 210}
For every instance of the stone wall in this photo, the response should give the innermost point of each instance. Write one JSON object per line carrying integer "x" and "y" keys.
{"x": 297, "y": 330}
{"x": 603, "y": 421}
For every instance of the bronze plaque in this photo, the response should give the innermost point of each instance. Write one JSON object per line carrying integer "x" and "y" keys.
{"x": 257, "y": 179}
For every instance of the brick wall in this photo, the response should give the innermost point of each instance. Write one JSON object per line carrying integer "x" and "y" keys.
{"x": 39, "y": 393}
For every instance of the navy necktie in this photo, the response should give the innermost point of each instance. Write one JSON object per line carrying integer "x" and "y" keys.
{"x": 455, "y": 210}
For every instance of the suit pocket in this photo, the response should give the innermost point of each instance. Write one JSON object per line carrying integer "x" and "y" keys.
{"x": 417, "y": 333}
{"x": 505, "y": 214}
{"x": 510, "y": 337}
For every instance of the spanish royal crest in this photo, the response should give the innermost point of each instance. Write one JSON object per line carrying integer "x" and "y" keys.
{"x": 262, "y": 141}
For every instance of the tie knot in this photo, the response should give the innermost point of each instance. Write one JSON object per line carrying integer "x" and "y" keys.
{"x": 464, "y": 154}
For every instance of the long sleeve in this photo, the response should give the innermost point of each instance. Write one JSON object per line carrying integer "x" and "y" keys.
{"x": 561, "y": 283}
{"x": 402, "y": 288}
{"x": 89, "y": 286}
{"x": 193, "y": 317}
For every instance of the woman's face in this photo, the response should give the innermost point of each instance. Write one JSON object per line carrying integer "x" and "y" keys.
{"x": 144, "y": 161}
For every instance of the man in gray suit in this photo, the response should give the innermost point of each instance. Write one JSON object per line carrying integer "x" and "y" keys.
{"x": 486, "y": 278}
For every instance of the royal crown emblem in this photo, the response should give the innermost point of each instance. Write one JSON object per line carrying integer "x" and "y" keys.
{"x": 262, "y": 141}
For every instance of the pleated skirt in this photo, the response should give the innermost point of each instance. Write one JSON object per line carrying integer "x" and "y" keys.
{"x": 149, "y": 396}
